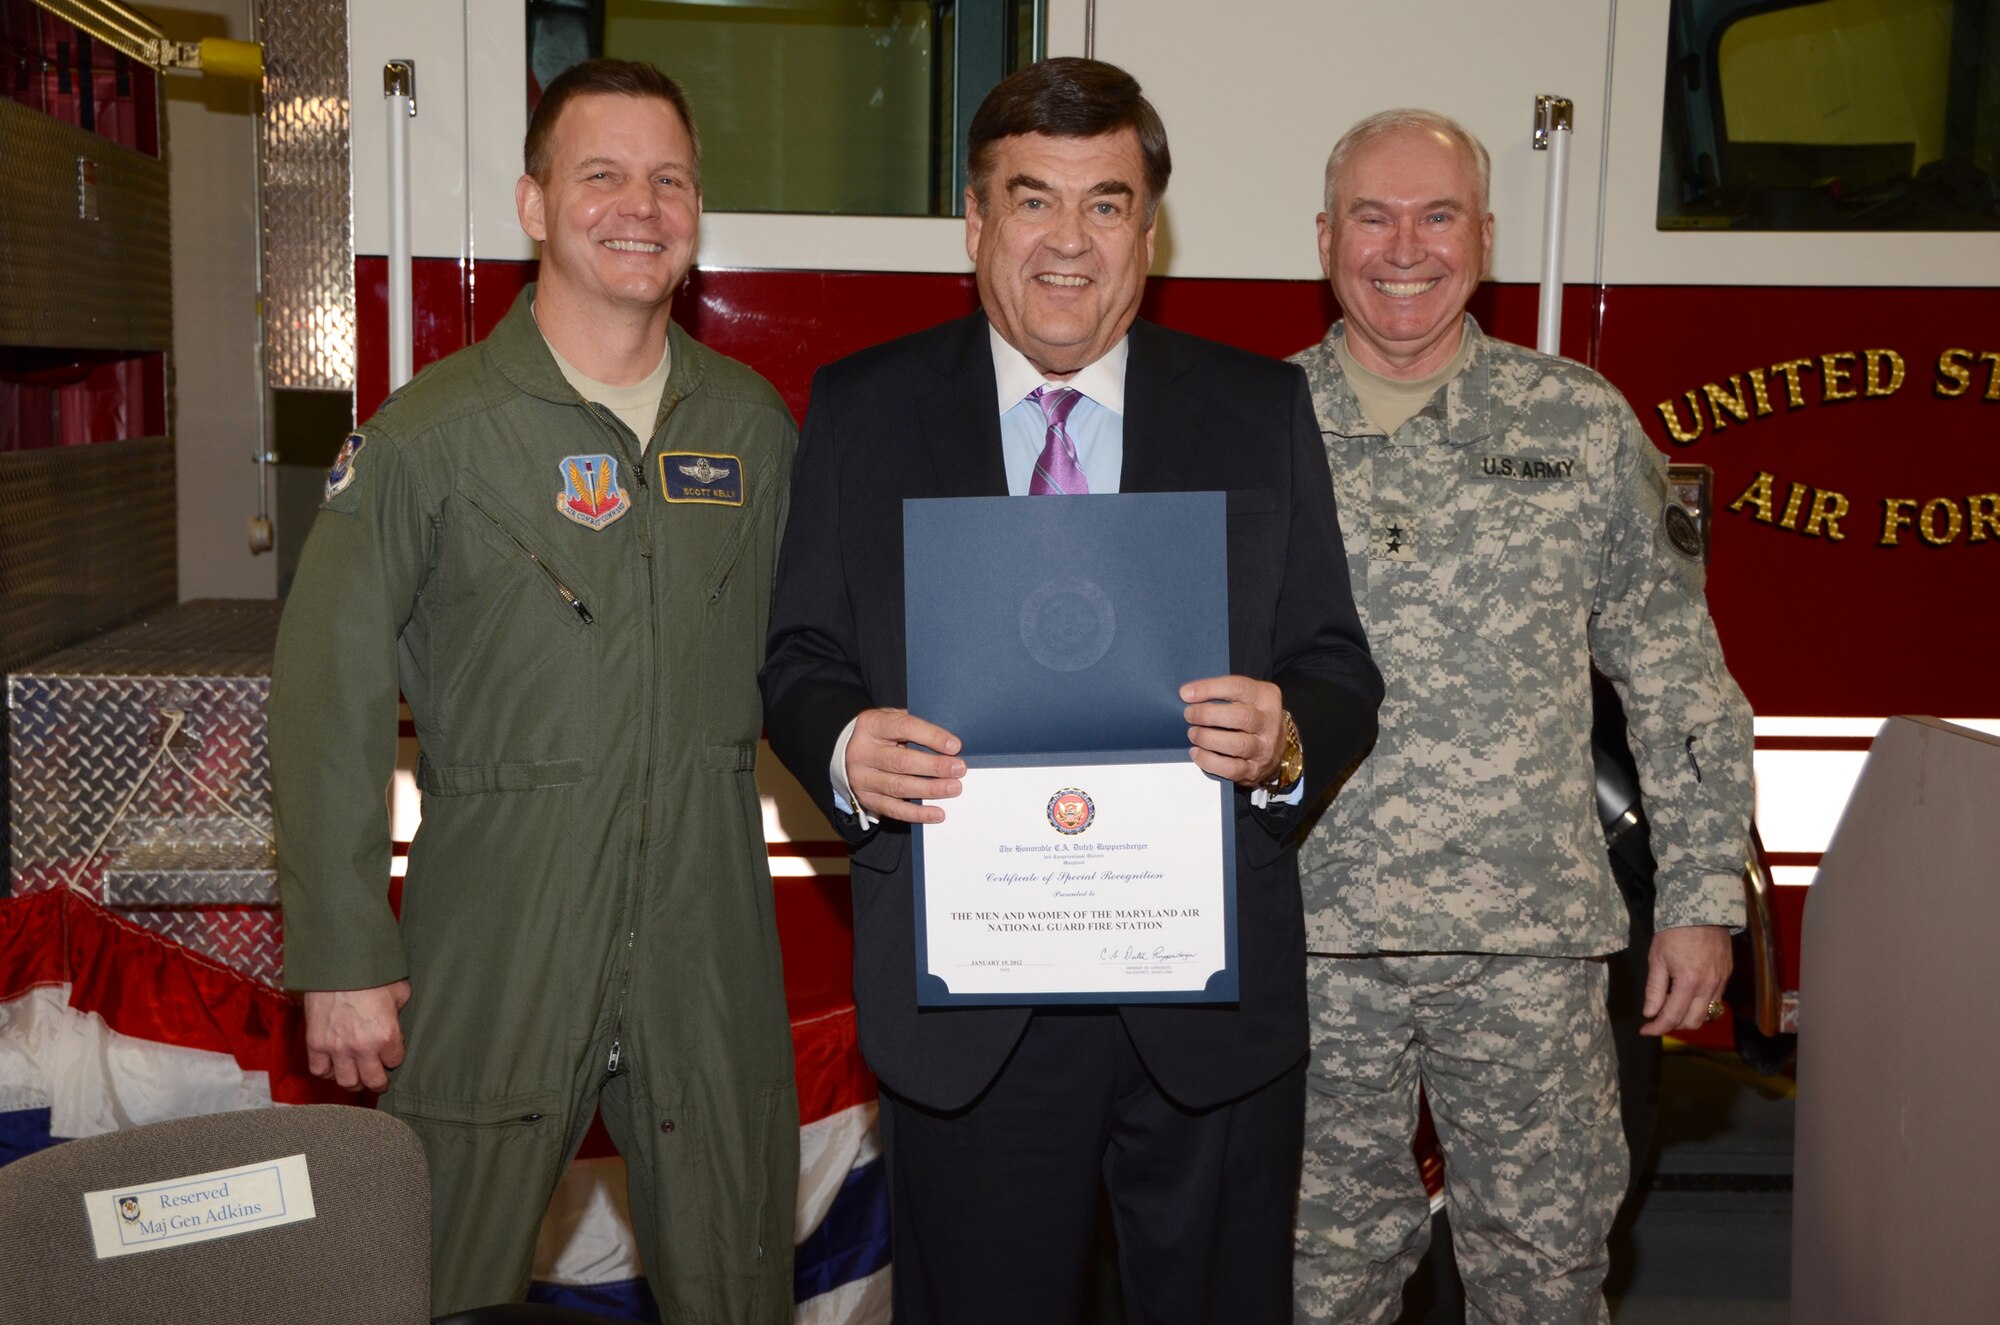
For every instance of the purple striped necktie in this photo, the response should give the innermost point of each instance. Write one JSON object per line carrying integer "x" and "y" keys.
{"x": 1057, "y": 470}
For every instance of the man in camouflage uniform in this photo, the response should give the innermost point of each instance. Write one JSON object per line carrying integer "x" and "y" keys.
{"x": 1508, "y": 524}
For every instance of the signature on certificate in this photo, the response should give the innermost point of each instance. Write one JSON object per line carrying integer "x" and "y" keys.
{"x": 1128, "y": 953}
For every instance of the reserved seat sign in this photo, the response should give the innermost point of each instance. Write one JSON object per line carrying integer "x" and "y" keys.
{"x": 127, "y": 1220}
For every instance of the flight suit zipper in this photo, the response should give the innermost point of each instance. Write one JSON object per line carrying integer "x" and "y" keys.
{"x": 563, "y": 591}
{"x": 615, "y": 1059}
{"x": 619, "y": 434}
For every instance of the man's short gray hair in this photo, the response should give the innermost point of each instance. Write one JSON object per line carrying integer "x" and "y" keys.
{"x": 1390, "y": 121}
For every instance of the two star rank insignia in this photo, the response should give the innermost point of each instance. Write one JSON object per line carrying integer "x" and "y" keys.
{"x": 1394, "y": 536}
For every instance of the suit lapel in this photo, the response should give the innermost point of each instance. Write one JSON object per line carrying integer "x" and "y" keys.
{"x": 1163, "y": 417}
{"x": 960, "y": 420}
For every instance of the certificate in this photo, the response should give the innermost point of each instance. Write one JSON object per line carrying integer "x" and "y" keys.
{"x": 1088, "y": 859}
{"x": 1086, "y": 882}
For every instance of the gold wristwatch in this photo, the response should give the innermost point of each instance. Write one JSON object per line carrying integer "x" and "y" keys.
{"x": 1291, "y": 764}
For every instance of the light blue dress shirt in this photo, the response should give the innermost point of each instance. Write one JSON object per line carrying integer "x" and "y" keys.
{"x": 1096, "y": 423}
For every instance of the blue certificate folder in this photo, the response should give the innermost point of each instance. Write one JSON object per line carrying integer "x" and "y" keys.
{"x": 1058, "y": 631}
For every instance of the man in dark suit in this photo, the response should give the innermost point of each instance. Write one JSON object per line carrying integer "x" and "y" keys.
{"x": 1000, "y": 1123}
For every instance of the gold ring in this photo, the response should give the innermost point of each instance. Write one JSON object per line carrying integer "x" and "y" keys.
{"x": 1715, "y": 1009}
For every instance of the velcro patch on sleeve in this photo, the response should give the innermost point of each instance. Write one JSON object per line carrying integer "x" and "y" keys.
{"x": 1682, "y": 533}
{"x": 341, "y": 475}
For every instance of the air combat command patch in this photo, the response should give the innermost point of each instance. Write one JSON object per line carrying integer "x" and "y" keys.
{"x": 590, "y": 494}
{"x": 342, "y": 472}
{"x": 688, "y": 476}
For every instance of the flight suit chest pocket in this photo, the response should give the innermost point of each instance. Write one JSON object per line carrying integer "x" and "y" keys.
{"x": 734, "y": 609}
{"x": 512, "y": 646}
{"x": 1516, "y": 571}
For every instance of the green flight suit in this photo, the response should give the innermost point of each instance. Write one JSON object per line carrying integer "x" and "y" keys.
{"x": 587, "y": 918}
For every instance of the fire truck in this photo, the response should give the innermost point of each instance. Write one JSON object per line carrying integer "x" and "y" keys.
{"x": 1770, "y": 225}
{"x": 1774, "y": 239}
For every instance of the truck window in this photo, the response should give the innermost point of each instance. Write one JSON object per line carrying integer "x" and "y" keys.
{"x": 855, "y": 107}
{"x": 1832, "y": 115}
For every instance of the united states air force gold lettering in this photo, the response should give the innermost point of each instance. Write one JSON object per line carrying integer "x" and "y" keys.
{"x": 1837, "y": 378}
{"x": 1523, "y": 468}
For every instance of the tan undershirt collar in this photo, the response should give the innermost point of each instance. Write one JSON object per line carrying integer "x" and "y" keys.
{"x": 638, "y": 405}
{"x": 1389, "y": 402}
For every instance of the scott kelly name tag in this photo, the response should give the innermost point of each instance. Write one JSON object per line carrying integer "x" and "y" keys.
{"x": 712, "y": 480}
{"x": 126, "y": 1220}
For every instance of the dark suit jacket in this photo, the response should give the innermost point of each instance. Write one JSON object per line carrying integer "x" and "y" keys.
{"x": 919, "y": 417}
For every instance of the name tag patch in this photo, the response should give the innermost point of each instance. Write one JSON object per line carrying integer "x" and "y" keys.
{"x": 690, "y": 476}
{"x": 1523, "y": 468}
{"x": 125, "y": 1221}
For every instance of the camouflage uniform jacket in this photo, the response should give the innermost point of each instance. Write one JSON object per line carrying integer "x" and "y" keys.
{"x": 1517, "y": 528}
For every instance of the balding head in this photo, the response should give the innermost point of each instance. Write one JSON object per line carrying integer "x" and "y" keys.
{"x": 1387, "y": 122}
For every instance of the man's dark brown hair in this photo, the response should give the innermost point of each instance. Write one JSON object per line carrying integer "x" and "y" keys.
{"x": 617, "y": 78}
{"x": 1067, "y": 97}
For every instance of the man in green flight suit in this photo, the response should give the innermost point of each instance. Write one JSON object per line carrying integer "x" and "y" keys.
{"x": 559, "y": 545}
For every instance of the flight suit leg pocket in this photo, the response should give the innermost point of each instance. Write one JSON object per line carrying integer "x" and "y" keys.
{"x": 726, "y": 1181}
{"x": 493, "y": 1164}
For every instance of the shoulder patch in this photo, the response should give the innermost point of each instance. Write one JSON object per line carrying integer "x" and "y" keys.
{"x": 1681, "y": 531}
{"x": 342, "y": 472}
{"x": 712, "y": 480}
